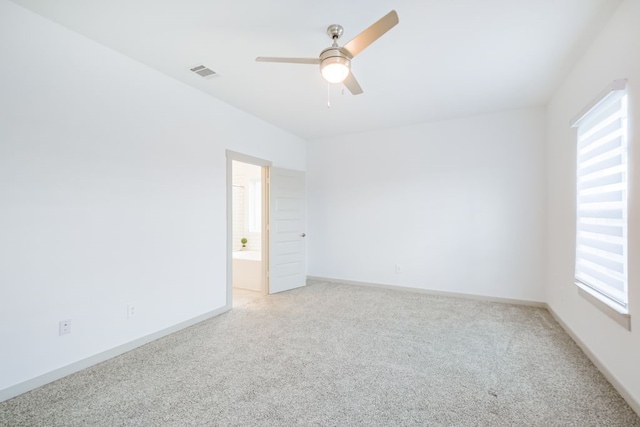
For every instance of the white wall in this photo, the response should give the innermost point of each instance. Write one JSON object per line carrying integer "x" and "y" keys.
{"x": 459, "y": 205}
{"x": 112, "y": 192}
{"x": 614, "y": 55}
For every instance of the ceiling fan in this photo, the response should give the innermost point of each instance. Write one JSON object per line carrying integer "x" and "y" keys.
{"x": 335, "y": 61}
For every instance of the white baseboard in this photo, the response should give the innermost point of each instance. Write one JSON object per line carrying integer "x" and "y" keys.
{"x": 49, "y": 377}
{"x": 634, "y": 404}
{"x": 433, "y": 292}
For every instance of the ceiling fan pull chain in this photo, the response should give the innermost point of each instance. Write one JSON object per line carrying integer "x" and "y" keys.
{"x": 328, "y": 95}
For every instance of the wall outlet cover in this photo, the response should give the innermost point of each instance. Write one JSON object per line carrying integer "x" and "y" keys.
{"x": 64, "y": 327}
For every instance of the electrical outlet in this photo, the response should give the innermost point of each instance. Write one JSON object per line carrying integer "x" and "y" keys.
{"x": 131, "y": 311}
{"x": 64, "y": 327}
{"x": 398, "y": 269}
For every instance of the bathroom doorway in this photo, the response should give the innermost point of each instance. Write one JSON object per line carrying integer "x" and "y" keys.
{"x": 247, "y": 202}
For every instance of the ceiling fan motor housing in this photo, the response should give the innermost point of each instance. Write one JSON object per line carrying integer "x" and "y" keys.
{"x": 334, "y": 52}
{"x": 333, "y": 58}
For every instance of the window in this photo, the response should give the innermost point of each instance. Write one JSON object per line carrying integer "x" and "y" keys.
{"x": 601, "y": 214}
{"x": 255, "y": 206}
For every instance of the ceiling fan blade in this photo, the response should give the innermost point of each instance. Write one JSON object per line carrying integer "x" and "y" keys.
{"x": 313, "y": 61}
{"x": 352, "y": 84}
{"x": 371, "y": 34}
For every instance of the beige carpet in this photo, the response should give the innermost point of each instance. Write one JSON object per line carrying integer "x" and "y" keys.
{"x": 342, "y": 355}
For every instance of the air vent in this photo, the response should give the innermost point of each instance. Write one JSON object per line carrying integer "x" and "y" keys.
{"x": 203, "y": 71}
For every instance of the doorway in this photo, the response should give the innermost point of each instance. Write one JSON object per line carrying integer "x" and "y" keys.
{"x": 278, "y": 201}
{"x": 248, "y": 282}
{"x": 247, "y": 211}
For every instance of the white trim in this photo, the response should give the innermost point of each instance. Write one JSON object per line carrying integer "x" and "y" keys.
{"x": 266, "y": 232}
{"x": 614, "y": 86}
{"x": 54, "y": 375}
{"x": 433, "y": 292}
{"x": 634, "y": 404}
{"x": 602, "y": 303}
{"x": 244, "y": 158}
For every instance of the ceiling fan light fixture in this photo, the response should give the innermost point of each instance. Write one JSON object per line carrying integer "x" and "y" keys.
{"x": 335, "y": 69}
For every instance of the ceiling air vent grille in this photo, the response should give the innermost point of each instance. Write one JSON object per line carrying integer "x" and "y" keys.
{"x": 203, "y": 71}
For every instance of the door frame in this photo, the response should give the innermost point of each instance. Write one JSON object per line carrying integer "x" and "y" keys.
{"x": 265, "y": 165}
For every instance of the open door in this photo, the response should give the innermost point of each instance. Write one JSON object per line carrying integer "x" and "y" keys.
{"x": 288, "y": 220}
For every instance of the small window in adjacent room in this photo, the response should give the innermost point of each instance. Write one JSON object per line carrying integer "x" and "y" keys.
{"x": 255, "y": 206}
{"x": 601, "y": 214}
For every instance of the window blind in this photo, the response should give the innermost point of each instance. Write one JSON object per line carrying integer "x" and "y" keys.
{"x": 601, "y": 226}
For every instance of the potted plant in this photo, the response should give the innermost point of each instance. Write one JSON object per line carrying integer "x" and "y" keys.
{"x": 244, "y": 242}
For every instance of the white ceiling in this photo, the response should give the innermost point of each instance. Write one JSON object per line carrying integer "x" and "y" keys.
{"x": 445, "y": 59}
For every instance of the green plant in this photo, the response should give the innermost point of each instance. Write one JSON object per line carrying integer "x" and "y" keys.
{"x": 244, "y": 242}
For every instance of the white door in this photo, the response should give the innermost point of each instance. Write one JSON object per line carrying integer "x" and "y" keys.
{"x": 287, "y": 223}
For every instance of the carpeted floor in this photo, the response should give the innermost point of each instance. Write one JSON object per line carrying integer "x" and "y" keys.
{"x": 342, "y": 355}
